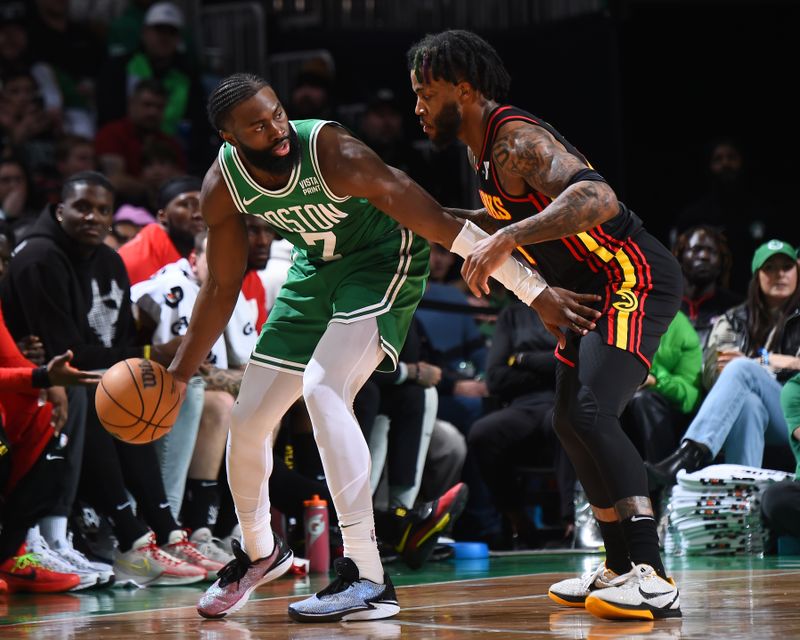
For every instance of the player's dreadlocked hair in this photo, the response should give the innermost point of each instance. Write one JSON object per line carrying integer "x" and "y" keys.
{"x": 230, "y": 92}
{"x": 456, "y": 56}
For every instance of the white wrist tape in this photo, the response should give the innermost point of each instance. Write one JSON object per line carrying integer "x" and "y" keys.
{"x": 512, "y": 274}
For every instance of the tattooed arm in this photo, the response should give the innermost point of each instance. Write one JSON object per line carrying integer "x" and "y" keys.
{"x": 479, "y": 217}
{"x": 222, "y": 379}
{"x": 529, "y": 153}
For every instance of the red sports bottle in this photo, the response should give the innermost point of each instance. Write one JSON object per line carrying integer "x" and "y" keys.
{"x": 318, "y": 549}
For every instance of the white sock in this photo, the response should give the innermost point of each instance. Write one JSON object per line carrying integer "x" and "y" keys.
{"x": 54, "y": 531}
{"x": 358, "y": 535}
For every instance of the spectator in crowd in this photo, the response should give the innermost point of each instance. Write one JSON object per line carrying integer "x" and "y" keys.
{"x": 128, "y": 221}
{"x": 153, "y": 248}
{"x": 120, "y": 144}
{"x": 520, "y": 373}
{"x": 32, "y": 470}
{"x": 751, "y": 353}
{"x": 457, "y": 347}
{"x": 164, "y": 304}
{"x": 311, "y": 95}
{"x": 159, "y": 58}
{"x": 124, "y": 32}
{"x": 24, "y": 125}
{"x": 259, "y": 237}
{"x": 657, "y": 415}
{"x": 730, "y": 205}
{"x": 17, "y": 56}
{"x": 66, "y": 286}
{"x": 780, "y": 503}
{"x": 73, "y": 154}
{"x": 172, "y": 238}
{"x": 15, "y": 206}
{"x": 381, "y": 128}
{"x": 75, "y": 53}
{"x": 706, "y": 261}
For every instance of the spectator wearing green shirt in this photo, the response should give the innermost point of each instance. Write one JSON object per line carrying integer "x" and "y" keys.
{"x": 659, "y": 411}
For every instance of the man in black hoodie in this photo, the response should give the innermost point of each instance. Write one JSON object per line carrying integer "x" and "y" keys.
{"x": 65, "y": 286}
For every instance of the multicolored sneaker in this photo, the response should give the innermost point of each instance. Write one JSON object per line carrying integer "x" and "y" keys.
{"x": 148, "y": 565}
{"x": 573, "y": 592}
{"x": 423, "y": 524}
{"x": 640, "y": 594}
{"x": 241, "y": 576}
{"x": 24, "y": 573}
{"x": 348, "y": 597}
{"x": 49, "y": 559}
{"x": 180, "y": 547}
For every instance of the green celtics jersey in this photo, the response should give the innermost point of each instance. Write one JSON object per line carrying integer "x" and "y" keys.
{"x": 320, "y": 224}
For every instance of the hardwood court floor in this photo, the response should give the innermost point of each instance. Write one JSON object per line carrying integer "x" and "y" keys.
{"x": 499, "y": 598}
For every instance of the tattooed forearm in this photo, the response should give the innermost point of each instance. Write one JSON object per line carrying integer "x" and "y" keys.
{"x": 582, "y": 206}
{"x": 479, "y": 217}
{"x": 223, "y": 379}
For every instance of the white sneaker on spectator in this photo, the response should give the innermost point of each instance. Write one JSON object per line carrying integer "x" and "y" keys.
{"x": 49, "y": 559}
{"x": 71, "y": 555}
{"x": 235, "y": 534}
{"x": 146, "y": 564}
{"x": 180, "y": 547}
{"x": 210, "y": 546}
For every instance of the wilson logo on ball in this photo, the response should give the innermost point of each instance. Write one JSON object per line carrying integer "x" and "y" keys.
{"x": 148, "y": 375}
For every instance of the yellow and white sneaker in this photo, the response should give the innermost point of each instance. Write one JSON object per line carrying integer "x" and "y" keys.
{"x": 640, "y": 594}
{"x": 573, "y": 592}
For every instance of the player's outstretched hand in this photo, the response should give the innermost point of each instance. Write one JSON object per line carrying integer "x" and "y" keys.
{"x": 562, "y": 308}
{"x": 62, "y": 374}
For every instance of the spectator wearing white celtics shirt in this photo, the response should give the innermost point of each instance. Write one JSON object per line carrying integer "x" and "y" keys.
{"x": 164, "y": 303}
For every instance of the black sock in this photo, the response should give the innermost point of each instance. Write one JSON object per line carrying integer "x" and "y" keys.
{"x": 641, "y": 536}
{"x": 617, "y": 558}
{"x": 200, "y": 504}
{"x": 127, "y": 527}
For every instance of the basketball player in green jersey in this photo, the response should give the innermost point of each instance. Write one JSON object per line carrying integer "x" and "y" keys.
{"x": 359, "y": 272}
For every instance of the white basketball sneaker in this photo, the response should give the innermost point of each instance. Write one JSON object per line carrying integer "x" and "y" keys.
{"x": 573, "y": 592}
{"x": 640, "y": 594}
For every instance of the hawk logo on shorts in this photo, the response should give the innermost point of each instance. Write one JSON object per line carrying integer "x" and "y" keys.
{"x": 629, "y": 301}
{"x": 174, "y": 297}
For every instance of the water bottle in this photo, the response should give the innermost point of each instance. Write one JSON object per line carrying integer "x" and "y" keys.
{"x": 318, "y": 550}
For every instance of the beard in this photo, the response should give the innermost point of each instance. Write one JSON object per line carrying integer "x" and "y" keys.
{"x": 446, "y": 125}
{"x": 265, "y": 160}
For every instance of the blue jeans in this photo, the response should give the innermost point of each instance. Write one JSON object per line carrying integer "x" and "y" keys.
{"x": 741, "y": 414}
{"x": 175, "y": 449}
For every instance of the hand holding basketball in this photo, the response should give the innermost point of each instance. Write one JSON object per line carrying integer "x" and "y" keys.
{"x": 138, "y": 400}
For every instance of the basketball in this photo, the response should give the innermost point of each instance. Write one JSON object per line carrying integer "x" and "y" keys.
{"x": 137, "y": 401}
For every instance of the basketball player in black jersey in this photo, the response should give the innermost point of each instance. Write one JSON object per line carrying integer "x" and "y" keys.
{"x": 544, "y": 201}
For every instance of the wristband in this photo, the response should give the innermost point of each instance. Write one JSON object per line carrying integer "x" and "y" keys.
{"x": 147, "y": 350}
{"x": 513, "y": 275}
{"x": 764, "y": 356}
{"x": 40, "y": 379}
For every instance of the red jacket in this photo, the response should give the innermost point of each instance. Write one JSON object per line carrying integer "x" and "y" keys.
{"x": 26, "y": 422}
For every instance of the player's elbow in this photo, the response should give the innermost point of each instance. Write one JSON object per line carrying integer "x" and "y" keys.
{"x": 601, "y": 198}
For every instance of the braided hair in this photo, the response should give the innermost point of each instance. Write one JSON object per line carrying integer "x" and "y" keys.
{"x": 230, "y": 92}
{"x": 457, "y": 56}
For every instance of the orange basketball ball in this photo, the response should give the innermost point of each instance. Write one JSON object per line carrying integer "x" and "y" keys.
{"x": 137, "y": 400}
